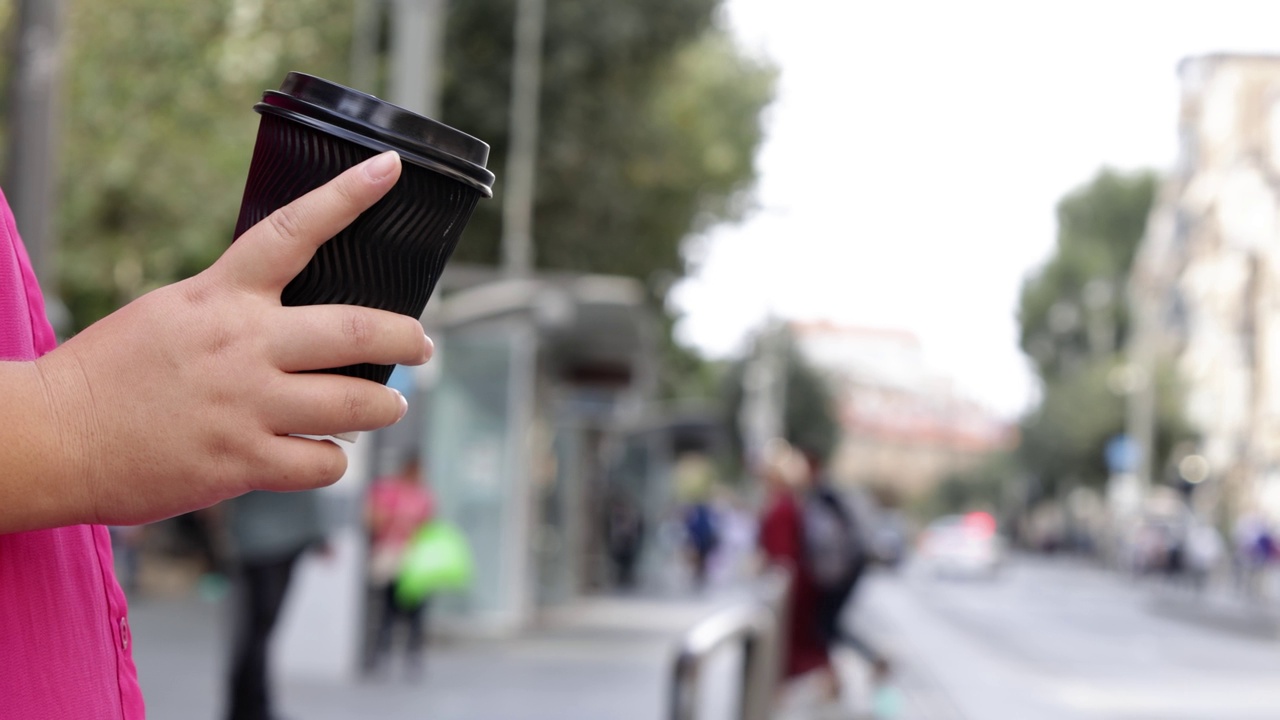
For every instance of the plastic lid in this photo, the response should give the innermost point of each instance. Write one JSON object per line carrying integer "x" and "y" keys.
{"x": 366, "y": 120}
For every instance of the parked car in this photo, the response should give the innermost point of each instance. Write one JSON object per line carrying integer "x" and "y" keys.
{"x": 962, "y": 546}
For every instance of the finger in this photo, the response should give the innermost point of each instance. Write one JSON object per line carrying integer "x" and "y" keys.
{"x": 326, "y": 336}
{"x": 326, "y": 404}
{"x": 275, "y": 250}
{"x": 302, "y": 464}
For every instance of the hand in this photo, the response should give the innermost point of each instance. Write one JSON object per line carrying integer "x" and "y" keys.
{"x": 192, "y": 394}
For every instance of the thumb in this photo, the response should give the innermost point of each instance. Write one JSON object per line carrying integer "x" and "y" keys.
{"x": 274, "y": 251}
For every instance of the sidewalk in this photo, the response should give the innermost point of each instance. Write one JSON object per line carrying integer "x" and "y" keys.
{"x": 1219, "y": 608}
{"x": 599, "y": 659}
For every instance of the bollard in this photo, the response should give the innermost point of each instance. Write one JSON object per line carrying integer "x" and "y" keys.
{"x": 757, "y": 624}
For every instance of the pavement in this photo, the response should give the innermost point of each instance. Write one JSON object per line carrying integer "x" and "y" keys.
{"x": 1219, "y": 607}
{"x": 604, "y": 658}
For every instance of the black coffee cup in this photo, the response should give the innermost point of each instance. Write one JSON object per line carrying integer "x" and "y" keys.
{"x": 391, "y": 257}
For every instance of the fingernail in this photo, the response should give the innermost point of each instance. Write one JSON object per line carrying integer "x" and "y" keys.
{"x": 404, "y": 404}
{"x": 380, "y": 166}
{"x": 431, "y": 348}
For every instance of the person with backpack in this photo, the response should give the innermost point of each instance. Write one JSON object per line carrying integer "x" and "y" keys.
{"x": 782, "y": 544}
{"x": 837, "y": 553}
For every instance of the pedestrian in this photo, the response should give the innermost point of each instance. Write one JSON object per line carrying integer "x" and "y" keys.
{"x": 838, "y": 551}
{"x": 702, "y": 536}
{"x": 782, "y": 544}
{"x": 397, "y": 507}
{"x": 624, "y": 537}
{"x": 187, "y": 396}
{"x": 695, "y": 481}
{"x": 269, "y": 532}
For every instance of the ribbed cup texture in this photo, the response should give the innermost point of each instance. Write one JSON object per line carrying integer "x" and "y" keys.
{"x": 389, "y": 258}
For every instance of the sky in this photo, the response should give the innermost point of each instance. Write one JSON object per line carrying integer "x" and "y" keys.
{"x": 915, "y": 152}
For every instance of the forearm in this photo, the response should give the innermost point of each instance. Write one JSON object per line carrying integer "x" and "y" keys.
{"x": 39, "y": 487}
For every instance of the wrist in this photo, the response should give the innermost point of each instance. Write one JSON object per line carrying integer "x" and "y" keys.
{"x": 73, "y": 434}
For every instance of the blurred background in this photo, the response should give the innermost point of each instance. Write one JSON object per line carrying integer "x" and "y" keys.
{"x": 1010, "y": 269}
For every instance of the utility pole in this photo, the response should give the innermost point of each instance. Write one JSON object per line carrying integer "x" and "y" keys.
{"x": 366, "y": 26}
{"x": 762, "y": 417}
{"x": 30, "y": 174}
{"x": 522, "y": 156}
{"x": 417, "y": 52}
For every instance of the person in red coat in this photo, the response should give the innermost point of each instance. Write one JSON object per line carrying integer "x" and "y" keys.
{"x": 782, "y": 543}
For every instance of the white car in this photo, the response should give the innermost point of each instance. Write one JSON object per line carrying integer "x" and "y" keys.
{"x": 962, "y": 546}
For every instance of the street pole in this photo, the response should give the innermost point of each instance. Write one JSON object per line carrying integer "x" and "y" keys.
{"x": 30, "y": 175}
{"x": 522, "y": 156}
{"x": 417, "y": 52}
{"x": 762, "y": 416}
{"x": 365, "y": 29}
{"x": 1140, "y": 420}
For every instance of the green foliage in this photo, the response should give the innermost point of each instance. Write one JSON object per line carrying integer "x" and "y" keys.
{"x": 1099, "y": 228}
{"x": 810, "y": 421}
{"x": 650, "y": 122}
{"x": 159, "y": 129}
{"x": 984, "y": 486}
{"x": 686, "y": 375}
{"x": 1064, "y": 440}
{"x": 650, "y": 119}
{"x": 1074, "y": 322}
{"x": 1065, "y": 437}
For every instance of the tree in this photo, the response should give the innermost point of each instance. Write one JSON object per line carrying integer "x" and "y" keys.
{"x": 1074, "y": 321}
{"x": 159, "y": 131}
{"x": 985, "y": 486}
{"x": 1064, "y": 440}
{"x": 650, "y": 120}
{"x": 1074, "y": 307}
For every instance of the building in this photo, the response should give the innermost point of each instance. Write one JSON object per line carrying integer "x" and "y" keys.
{"x": 905, "y": 426}
{"x": 1205, "y": 281}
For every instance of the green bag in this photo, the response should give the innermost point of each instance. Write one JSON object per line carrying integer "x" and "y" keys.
{"x": 437, "y": 558}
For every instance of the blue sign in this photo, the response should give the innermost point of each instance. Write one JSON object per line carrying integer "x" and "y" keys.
{"x": 1122, "y": 454}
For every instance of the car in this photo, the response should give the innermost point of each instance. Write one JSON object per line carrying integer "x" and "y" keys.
{"x": 966, "y": 545}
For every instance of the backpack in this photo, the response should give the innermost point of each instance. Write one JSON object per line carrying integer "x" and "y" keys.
{"x": 831, "y": 545}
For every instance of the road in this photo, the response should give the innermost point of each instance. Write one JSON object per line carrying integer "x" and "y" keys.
{"x": 1060, "y": 640}
{"x": 1047, "y": 640}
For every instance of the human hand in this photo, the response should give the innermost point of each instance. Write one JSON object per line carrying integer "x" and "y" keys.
{"x": 194, "y": 393}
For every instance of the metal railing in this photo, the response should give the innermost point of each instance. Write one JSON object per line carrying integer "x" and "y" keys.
{"x": 757, "y": 624}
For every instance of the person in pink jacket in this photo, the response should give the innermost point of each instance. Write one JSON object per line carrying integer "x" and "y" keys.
{"x": 189, "y": 395}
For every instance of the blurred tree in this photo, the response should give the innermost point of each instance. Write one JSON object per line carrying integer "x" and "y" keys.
{"x": 650, "y": 120}
{"x": 1074, "y": 307}
{"x": 159, "y": 129}
{"x": 686, "y": 375}
{"x": 1074, "y": 320}
{"x": 1064, "y": 440}
{"x": 985, "y": 486}
{"x": 810, "y": 420}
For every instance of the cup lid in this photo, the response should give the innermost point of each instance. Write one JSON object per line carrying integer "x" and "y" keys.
{"x": 366, "y": 120}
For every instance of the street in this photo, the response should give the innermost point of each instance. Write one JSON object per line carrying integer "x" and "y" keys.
{"x": 1060, "y": 640}
{"x": 1046, "y": 640}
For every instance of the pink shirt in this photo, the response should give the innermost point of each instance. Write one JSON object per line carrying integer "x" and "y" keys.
{"x": 65, "y": 648}
{"x": 403, "y": 508}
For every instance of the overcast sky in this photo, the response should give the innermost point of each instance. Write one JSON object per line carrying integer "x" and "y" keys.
{"x": 915, "y": 153}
